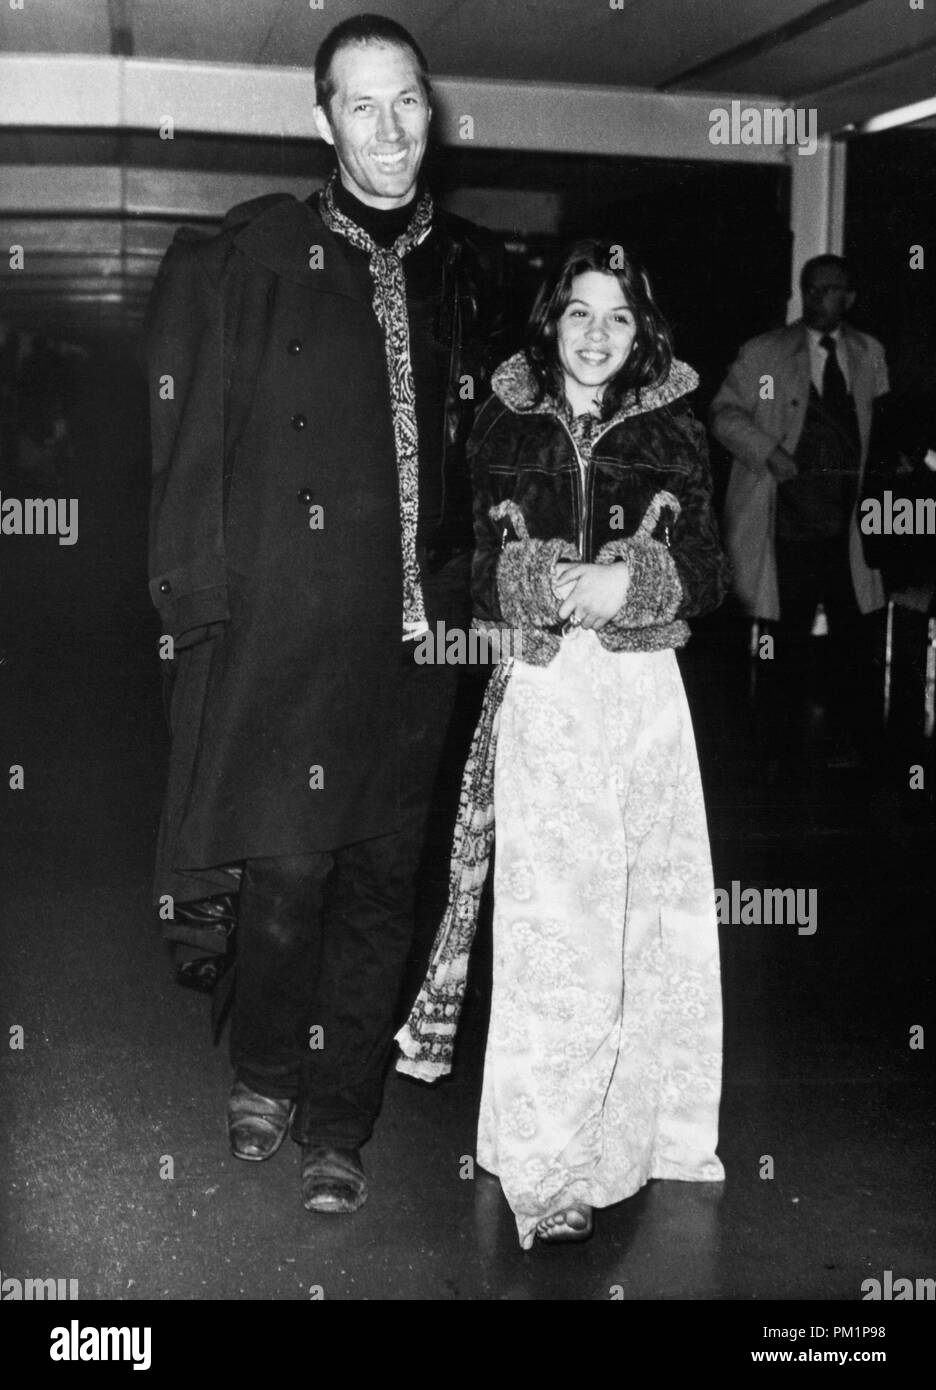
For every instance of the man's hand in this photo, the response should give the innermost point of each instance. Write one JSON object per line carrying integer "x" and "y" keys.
{"x": 593, "y": 594}
{"x": 782, "y": 465}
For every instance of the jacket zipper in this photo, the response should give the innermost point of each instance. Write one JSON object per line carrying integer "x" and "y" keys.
{"x": 580, "y": 493}
{"x": 584, "y": 519}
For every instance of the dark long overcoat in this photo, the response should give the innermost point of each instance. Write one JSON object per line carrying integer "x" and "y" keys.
{"x": 269, "y": 401}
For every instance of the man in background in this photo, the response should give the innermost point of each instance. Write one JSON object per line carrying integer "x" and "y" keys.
{"x": 795, "y": 411}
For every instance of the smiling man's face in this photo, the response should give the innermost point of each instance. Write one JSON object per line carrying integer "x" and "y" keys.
{"x": 378, "y": 122}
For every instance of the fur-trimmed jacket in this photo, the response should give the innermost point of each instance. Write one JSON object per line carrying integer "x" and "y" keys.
{"x": 640, "y": 493}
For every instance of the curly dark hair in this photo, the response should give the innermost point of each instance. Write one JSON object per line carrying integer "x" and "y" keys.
{"x": 651, "y": 356}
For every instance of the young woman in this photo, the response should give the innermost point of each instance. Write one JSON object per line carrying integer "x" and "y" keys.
{"x": 595, "y": 542}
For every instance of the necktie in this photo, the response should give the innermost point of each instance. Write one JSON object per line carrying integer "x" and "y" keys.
{"x": 835, "y": 394}
{"x": 834, "y": 390}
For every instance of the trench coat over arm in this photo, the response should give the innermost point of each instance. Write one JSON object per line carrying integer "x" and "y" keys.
{"x": 750, "y": 427}
{"x": 269, "y": 397}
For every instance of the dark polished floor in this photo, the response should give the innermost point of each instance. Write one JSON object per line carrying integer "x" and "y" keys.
{"x": 118, "y": 1074}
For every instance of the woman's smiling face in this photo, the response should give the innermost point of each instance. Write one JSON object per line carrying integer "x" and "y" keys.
{"x": 594, "y": 336}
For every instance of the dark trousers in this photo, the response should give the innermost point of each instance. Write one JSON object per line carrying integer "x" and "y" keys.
{"x": 812, "y": 570}
{"x": 322, "y": 943}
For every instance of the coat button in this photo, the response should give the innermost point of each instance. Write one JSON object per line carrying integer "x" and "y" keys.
{"x": 165, "y": 587}
{"x": 298, "y": 422}
{"x": 294, "y": 346}
{"x": 304, "y": 496}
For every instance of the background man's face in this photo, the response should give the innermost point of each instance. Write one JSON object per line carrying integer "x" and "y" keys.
{"x": 378, "y": 122}
{"x": 826, "y": 298}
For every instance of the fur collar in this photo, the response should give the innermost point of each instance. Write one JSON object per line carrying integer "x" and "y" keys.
{"x": 514, "y": 384}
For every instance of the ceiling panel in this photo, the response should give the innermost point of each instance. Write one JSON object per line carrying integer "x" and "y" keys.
{"x": 41, "y": 188}
{"x": 42, "y": 236}
{"x": 550, "y": 40}
{"x": 222, "y": 31}
{"x": 872, "y": 93}
{"x": 578, "y": 41}
{"x": 646, "y": 43}
{"x": 822, "y": 57}
{"x": 56, "y": 265}
{"x": 95, "y": 227}
{"x": 55, "y": 26}
{"x": 144, "y": 238}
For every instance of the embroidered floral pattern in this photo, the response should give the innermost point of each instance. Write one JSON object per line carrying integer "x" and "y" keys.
{"x": 427, "y": 1039}
{"x": 603, "y": 1063}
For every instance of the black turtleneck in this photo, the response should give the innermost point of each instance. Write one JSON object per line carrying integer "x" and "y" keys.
{"x": 422, "y": 272}
{"x": 383, "y": 224}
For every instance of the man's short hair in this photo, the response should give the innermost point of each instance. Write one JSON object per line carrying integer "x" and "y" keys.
{"x": 361, "y": 29}
{"x": 820, "y": 263}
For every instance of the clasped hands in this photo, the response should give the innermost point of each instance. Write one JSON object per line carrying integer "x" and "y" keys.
{"x": 591, "y": 595}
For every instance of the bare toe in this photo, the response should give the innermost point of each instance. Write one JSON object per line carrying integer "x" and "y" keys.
{"x": 568, "y": 1224}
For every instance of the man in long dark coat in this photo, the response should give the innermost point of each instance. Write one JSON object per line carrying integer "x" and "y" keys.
{"x": 313, "y": 368}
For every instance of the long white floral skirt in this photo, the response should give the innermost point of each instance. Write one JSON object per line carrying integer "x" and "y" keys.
{"x": 603, "y": 1062}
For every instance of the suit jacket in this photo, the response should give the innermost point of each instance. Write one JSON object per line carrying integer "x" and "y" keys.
{"x": 762, "y": 403}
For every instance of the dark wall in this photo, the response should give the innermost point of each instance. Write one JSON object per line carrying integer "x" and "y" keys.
{"x": 891, "y": 206}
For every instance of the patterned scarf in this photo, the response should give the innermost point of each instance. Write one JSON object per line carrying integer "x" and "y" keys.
{"x": 427, "y": 1038}
{"x": 386, "y": 268}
